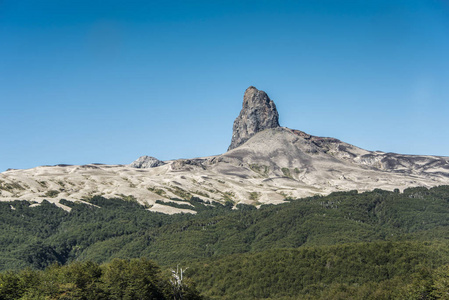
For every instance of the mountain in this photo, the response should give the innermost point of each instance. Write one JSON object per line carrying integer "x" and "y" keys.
{"x": 265, "y": 163}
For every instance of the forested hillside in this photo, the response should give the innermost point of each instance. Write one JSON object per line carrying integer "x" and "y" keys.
{"x": 346, "y": 244}
{"x": 376, "y": 270}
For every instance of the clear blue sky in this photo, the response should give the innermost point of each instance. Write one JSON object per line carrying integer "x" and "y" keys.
{"x": 109, "y": 81}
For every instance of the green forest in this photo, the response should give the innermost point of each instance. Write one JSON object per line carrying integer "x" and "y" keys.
{"x": 347, "y": 245}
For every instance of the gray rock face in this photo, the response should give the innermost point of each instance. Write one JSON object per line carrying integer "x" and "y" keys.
{"x": 146, "y": 162}
{"x": 258, "y": 113}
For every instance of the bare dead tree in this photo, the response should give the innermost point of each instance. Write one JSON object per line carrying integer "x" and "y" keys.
{"x": 177, "y": 282}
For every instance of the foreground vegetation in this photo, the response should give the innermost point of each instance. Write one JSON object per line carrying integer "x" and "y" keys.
{"x": 378, "y": 244}
{"x": 119, "y": 279}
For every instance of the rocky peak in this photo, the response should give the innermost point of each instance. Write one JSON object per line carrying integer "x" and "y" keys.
{"x": 146, "y": 162}
{"x": 258, "y": 113}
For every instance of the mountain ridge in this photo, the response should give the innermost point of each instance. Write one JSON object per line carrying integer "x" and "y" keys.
{"x": 270, "y": 163}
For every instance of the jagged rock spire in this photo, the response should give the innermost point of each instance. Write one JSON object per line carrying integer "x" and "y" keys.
{"x": 258, "y": 113}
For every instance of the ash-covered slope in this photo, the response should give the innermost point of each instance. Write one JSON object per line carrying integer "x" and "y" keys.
{"x": 266, "y": 164}
{"x": 328, "y": 164}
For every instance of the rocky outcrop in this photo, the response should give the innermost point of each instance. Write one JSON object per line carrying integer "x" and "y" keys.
{"x": 258, "y": 113}
{"x": 188, "y": 164}
{"x": 146, "y": 162}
